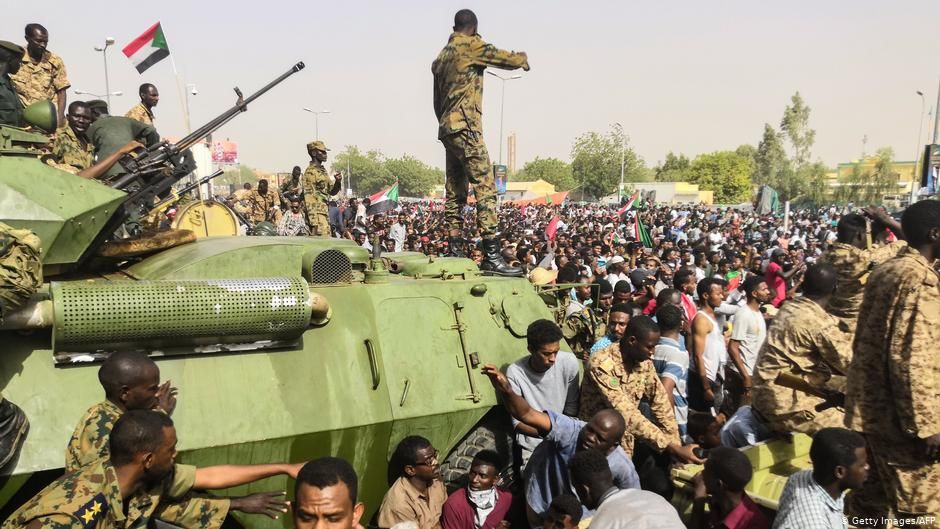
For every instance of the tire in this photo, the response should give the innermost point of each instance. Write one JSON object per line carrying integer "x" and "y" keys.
{"x": 493, "y": 432}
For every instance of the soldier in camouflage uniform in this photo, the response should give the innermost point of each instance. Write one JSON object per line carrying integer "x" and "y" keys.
{"x": 20, "y": 277}
{"x": 807, "y": 342}
{"x": 293, "y": 188}
{"x": 854, "y": 256}
{"x": 318, "y": 188}
{"x": 92, "y": 498}
{"x": 894, "y": 377}
{"x": 458, "y": 96}
{"x": 264, "y": 204}
{"x": 581, "y": 325}
{"x": 71, "y": 149}
{"x": 42, "y": 76}
{"x": 131, "y": 382}
{"x": 143, "y": 111}
{"x": 619, "y": 377}
{"x": 11, "y": 107}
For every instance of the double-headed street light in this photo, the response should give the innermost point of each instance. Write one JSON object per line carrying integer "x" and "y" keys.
{"x": 107, "y": 83}
{"x": 502, "y": 107}
{"x": 316, "y": 130}
{"x": 99, "y": 96}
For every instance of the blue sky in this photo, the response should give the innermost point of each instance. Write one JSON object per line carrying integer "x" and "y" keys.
{"x": 686, "y": 76}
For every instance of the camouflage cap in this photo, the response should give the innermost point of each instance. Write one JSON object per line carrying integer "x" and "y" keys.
{"x": 317, "y": 145}
{"x": 11, "y": 47}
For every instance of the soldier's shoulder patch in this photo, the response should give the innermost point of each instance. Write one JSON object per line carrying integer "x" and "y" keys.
{"x": 93, "y": 511}
{"x": 615, "y": 382}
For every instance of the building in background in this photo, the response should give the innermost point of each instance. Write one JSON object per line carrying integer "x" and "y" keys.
{"x": 669, "y": 193}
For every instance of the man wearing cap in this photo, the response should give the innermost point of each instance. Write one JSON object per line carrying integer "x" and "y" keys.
{"x": 42, "y": 75}
{"x": 11, "y": 108}
{"x": 318, "y": 188}
{"x": 458, "y": 94}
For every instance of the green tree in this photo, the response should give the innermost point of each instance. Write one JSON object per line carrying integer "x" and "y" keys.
{"x": 795, "y": 124}
{"x": 552, "y": 170}
{"x": 771, "y": 162}
{"x": 673, "y": 169}
{"x": 595, "y": 163}
{"x": 723, "y": 172}
{"x": 870, "y": 179}
{"x": 415, "y": 178}
{"x": 750, "y": 152}
{"x": 367, "y": 171}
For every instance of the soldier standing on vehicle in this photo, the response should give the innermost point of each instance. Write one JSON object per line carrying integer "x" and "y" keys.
{"x": 42, "y": 76}
{"x": 894, "y": 376}
{"x": 11, "y": 108}
{"x": 20, "y": 277}
{"x": 143, "y": 111}
{"x": 318, "y": 188}
{"x": 458, "y": 97}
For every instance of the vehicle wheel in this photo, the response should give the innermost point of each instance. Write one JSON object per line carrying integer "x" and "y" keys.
{"x": 493, "y": 432}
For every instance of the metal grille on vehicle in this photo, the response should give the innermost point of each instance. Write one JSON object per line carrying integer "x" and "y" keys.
{"x": 331, "y": 267}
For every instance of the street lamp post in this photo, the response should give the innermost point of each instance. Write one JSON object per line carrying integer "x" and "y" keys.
{"x": 619, "y": 128}
{"x": 190, "y": 89}
{"x": 316, "y": 129}
{"x": 502, "y": 107}
{"x": 99, "y": 96}
{"x": 107, "y": 82}
{"x": 920, "y": 132}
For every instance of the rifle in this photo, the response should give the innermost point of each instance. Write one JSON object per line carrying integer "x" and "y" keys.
{"x": 151, "y": 171}
{"x": 833, "y": 399}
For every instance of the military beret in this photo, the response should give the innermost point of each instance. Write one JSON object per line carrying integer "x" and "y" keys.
{"x": 9, "y": 46}
{"x": 97, "y": 104}
{"x": 317, "y": 145}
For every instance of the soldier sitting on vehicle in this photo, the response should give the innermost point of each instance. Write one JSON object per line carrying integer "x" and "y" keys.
{"x": 417, "y": 493}
{"x": 110, "y": 134}
{"x": 133, "y": 484}
{"x": 131, "y": 381}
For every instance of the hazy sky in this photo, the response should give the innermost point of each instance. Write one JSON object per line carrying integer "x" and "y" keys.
{"x": 687, "y": 76}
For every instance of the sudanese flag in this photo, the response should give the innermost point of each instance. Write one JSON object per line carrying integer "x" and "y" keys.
{"x": 147, "y": 49}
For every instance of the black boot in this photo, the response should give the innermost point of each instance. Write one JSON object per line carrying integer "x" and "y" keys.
{"x": 13, "y": 428}
{"x": 455, "y": 246}
{"x": 493, "y": 262}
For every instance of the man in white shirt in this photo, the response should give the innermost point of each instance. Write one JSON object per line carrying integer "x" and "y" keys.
{"x": 748, "y": 332}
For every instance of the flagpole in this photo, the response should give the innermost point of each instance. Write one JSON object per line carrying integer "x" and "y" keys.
{"x": 180, "y": 86}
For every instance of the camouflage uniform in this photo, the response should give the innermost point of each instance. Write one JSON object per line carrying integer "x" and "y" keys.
{"x": 89, "y": 443}
{"x": 42, "y": 80}
{"x": 807, "y": 342}
{"x": 20, "y": 267}
{"x": 853, "y": 266}
{"x": 71, "y": 153}
{"x": 894, "y": 379}
{"x": 260, "y": 206}
{"x": 317, "y": 198}
{"x": 458, "y": 101}
{"x": 11, "y": 108}
{"x": 91, "y": 499}
{"x": 581, "y": 329}
{"x": 141, "y": 113}
{"x": 608, "y": 384}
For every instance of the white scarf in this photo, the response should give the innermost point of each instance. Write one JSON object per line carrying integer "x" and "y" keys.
{"x": 484, "y": 501}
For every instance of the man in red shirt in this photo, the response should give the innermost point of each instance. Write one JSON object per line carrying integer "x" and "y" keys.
{"x": 481, "y": 504}
{"x": 777, "y": 278}
{"x": 721, "y": 485}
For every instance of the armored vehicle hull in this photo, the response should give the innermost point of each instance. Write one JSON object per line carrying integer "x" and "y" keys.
{"x": 377, "y": 355}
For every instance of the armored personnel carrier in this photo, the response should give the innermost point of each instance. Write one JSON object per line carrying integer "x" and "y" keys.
{"x": 283, "y": 349}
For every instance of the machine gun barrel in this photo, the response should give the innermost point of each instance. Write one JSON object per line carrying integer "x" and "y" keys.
{"x": 187, "y": 189}
{"x": 156, "y": 157}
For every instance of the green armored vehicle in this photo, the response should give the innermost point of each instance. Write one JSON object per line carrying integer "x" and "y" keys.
{"x": 283, "y": 349}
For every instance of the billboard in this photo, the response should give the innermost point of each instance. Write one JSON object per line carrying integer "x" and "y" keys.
{"x": 225, "y": 152}
{"x": 499, "y": 172}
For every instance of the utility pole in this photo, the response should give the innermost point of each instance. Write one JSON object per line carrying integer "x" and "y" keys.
{"x": 936, "y": 117}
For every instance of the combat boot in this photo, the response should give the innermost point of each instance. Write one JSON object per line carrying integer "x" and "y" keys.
{"x": 493, "y": 262}
{"x": 13, "y": 429}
